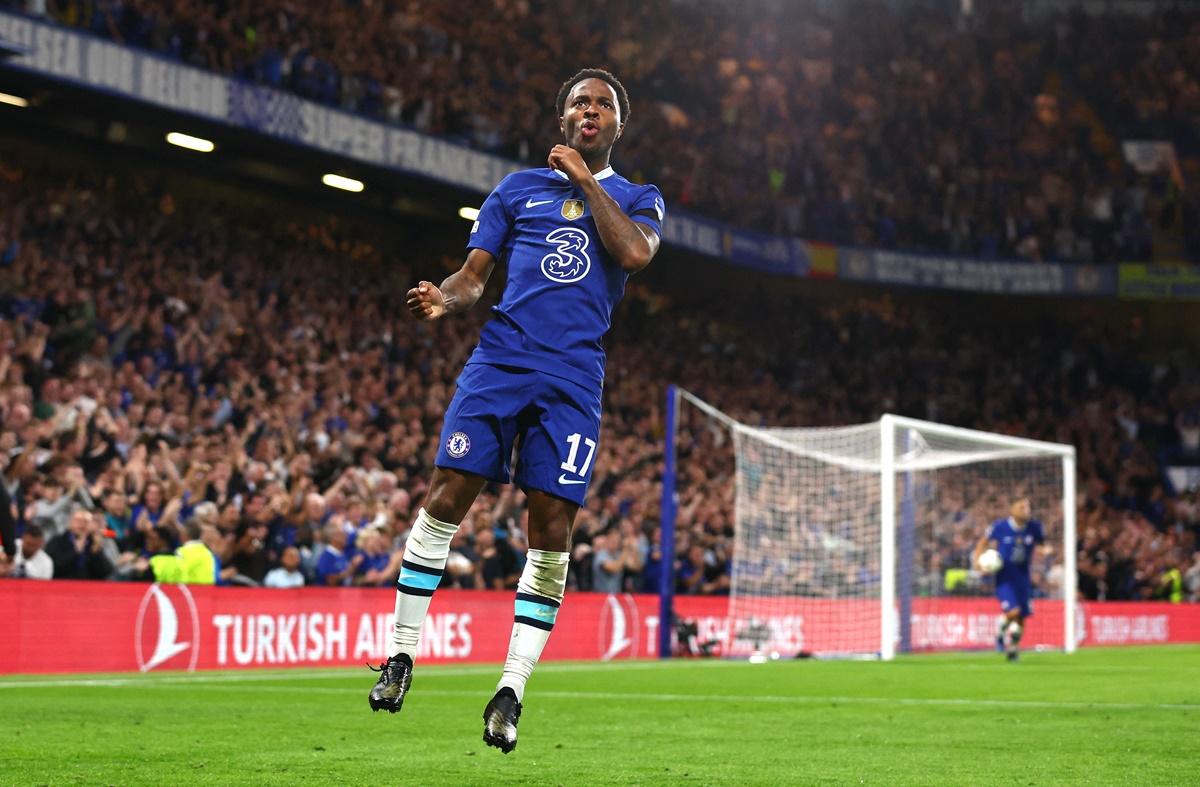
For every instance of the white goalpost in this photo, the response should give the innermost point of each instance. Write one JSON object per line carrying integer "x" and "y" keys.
{"x": 856, "y": 541}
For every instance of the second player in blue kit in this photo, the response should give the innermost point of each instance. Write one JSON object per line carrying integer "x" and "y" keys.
{"x": 1015, "y": 538}
{"x": 569, "y": 235}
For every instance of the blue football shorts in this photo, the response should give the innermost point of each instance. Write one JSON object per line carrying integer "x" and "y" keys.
{"x": 553, "y": 423}
{"x": 1014, "y": 594}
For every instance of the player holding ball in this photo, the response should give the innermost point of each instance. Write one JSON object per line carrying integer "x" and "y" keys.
{"x": 1005, "y": 552}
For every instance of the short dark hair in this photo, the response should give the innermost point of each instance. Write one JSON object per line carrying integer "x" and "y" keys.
{"x": 34, "y": 530}
{"x": 593, "y": 73}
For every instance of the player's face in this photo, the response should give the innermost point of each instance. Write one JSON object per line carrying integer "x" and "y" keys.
{"x": 1020, "y": 509}
{"x": 591, "y": 121}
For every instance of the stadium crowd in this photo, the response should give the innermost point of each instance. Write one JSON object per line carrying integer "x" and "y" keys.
{"x": 868, "y": 123}
{"x": 175, "y": 371}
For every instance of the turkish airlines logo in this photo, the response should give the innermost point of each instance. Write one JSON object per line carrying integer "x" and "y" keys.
{"x": 618, "y": 628}
{"x": 158, "y": 632}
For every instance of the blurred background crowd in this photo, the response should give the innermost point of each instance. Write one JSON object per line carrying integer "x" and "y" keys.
{"x": 178, "y": 366}
{"x": 182, "y": 362}
{"x": 872, "y": 123}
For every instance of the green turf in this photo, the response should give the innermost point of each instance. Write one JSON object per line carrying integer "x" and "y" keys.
{"x": 1121, "y": 716}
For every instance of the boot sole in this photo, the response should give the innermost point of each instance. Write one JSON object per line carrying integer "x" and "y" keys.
{"x": 387, "y": 705}
{"x": 498, "y": 743}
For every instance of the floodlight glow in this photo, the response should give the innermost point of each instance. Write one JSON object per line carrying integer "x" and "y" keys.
{"x": 343, "y": 183}
{"x": 470, "y": 214}
{"x": 14, "y": 101}
{"x": 191, "y": 143}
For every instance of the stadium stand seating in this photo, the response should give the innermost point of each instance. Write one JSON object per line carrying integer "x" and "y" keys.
{"x": 996, "y": 135}
{"x": 167, "y": 358}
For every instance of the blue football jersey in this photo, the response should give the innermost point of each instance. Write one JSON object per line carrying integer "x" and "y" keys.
{"x": 562, "y": 285}
{"x": 1015, "y": 546}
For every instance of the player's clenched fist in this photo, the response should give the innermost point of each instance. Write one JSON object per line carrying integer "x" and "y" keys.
{"x": 568, "y": 161}
{"x": 425, "y": 301}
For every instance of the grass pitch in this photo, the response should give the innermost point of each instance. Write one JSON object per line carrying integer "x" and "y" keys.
{"x": 1120, "y": 716}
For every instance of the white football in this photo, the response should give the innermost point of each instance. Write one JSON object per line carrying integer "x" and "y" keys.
{"x": 990, "y": 562}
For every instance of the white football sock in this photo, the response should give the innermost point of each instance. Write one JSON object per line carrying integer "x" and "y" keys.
{"x": 424, "y": 562}
{"x": 1012, "y": 635}
{"x": 539, "y": 594}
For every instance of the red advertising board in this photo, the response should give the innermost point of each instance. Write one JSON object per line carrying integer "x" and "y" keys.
{"x": 64, "y": 626}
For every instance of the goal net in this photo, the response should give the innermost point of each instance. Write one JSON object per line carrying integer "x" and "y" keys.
{"x": 857, "y": 540}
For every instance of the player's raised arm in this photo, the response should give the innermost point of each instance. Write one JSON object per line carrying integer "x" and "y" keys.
{"x": 457, "y": 293}
{"x": 631, "y": 243}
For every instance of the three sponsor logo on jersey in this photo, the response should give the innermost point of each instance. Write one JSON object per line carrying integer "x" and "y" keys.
{"x": 570, "y": 261}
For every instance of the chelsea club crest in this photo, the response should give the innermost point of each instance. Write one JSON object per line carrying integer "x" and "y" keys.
{"x": 572, "y": 209}
{"x": 458, "y": 445}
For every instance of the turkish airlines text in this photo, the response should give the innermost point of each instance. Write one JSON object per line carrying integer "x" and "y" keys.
{"x": 261, "y": 640}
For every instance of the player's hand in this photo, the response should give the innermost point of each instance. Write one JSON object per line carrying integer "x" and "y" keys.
{"x": 425, "y": 301}
{"x": 570, "y": 163}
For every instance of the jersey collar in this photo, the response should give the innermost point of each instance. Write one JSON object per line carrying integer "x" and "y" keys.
{"x": 601, "y": 175}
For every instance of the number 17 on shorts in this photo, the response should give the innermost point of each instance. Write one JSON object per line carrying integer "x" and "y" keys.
{"x": 572, "y": 473}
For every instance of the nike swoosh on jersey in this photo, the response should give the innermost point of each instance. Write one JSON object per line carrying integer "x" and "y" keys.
{"x": 531, "y": 204}
{"x": 562, "y": 479}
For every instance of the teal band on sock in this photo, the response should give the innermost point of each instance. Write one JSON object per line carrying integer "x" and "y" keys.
{"x": 421, "y": 580}
{"x": 532, "y": 609}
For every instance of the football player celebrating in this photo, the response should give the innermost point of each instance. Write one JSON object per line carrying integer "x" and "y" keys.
{"x": 570, "y": 235}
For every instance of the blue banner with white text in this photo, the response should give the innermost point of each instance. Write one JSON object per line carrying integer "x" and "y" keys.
{"x": 949, "y": 273}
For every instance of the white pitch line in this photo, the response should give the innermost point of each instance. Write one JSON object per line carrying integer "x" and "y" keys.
{"x": 1076, "y": 670}
{"x": 774, "y": 699}
{"x": 434, "y": 671}
{"x": 810, "y": 699}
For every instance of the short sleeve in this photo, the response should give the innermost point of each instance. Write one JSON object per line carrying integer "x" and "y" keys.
{"x": 649, "y": 201}
{"x": 1039, "y": 534}
{"x": 491, "y": 230}
{"x": 991, "y": 533}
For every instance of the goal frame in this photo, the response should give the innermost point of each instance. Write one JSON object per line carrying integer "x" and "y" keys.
{"x": 888, "y": 424}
